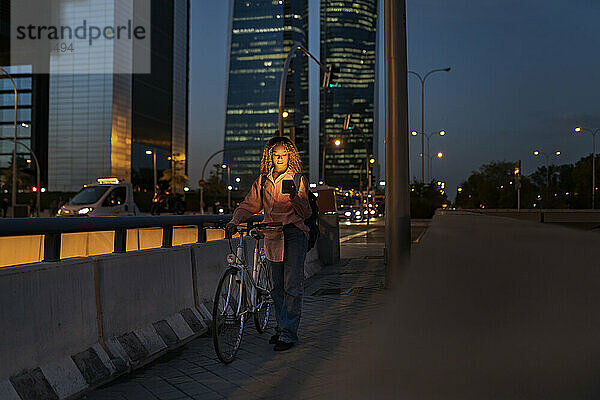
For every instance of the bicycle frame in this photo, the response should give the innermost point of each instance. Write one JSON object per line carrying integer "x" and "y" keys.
{"x": 247, "y": 279}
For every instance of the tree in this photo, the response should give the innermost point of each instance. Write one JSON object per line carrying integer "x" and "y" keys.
{"x": 176, "y": 180}
{"x": 425, "y": 199}
{"x": 493, "y": 186}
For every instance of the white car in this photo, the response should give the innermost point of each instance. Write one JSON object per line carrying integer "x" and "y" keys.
{"x": 107, "y": 197}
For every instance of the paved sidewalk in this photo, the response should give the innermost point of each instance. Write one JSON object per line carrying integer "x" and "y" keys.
{"x": 315, "y": 368}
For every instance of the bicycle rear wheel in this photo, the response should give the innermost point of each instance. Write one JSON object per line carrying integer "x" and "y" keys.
{"x": 265, "y": 284}
{"x": 228, "y": 316}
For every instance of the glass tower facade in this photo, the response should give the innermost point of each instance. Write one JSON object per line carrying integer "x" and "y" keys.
{"x": 103, "y": 124}
{"x": 263, "y": 32}
{"x": 348, "y": 41}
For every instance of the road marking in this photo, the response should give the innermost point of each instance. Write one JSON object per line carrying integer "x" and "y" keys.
{"x": 355, "y": 235}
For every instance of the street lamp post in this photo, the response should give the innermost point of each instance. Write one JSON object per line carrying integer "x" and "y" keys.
{"x": 153, "y": 152}
{"x": 593, "y": 132}
{"x": 429, "y": 157}
{"x": 14, "y": 162}
{"x": 547, "y": 158}
{"x": 286, "y": 66}
{"x": 229, "y": 187}
{"x": 336, "y": 143}
{"x": 422, "y": 80}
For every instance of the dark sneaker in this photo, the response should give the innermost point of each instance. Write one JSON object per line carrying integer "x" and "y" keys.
{"x": 282, "y": 346}
{"x": 274, "y": 338}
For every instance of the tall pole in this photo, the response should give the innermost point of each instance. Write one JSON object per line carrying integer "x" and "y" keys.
{"x": 323, "y": 163}
{"x": 593, "y": 170}
{"x": 228, "y": 188}
{"x": 397, "y": 215}
{"x": 14, "y": 158}
{"x": 155, "y": 177}
{"x": 422, "y": 80}
{"x": 284, "y": 73}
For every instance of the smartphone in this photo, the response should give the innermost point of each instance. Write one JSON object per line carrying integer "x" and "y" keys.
{"x": 288, "y": 186}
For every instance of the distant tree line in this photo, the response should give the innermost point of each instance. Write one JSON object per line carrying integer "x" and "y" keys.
{"x": 494, "y": 185}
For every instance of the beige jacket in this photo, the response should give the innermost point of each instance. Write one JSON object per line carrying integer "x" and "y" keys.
{"x": 277, "y": 207}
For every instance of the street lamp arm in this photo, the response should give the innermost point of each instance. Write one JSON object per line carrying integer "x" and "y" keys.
{"x": 284, "y": 73}
{"x": 435, "y": 70}
{"x": 417, "y": 75}
{"x": 322, "y": 66}
{"x": 14, "y": 168}
{"x": 210, "y": 158}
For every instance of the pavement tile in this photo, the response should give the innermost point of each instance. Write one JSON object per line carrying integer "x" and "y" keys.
{"x": 306, "y": 371}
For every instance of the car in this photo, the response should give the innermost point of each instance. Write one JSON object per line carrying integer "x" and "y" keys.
{"x": 106, "y": 197}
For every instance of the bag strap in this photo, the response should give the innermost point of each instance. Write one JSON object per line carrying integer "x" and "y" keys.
{"x": 297, "y": 178}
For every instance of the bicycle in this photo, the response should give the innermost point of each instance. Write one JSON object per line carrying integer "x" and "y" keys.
{"x": 241, "y": 292}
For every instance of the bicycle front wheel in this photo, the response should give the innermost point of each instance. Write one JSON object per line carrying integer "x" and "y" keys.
{"x": 228, "y": 315}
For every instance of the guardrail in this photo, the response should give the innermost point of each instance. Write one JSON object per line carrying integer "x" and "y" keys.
{"x": 52, "y": 228}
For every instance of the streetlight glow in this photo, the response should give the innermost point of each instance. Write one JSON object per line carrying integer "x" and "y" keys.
{"x": 337, "y": 142}
{"x": 440, "y": 155}
{"x": 578, "y": 129}
{"x": 285, "y": 114}
{"x": 442, "y": 133}
{"x": 536, "y": 153}
{"x": 558, "y": 153}
{"x": 372, "y": 161}
{"x": 238, "y": 180}
{"x": 414, "y": 133}
{"x": 148, "y": 152}
{"x": 223, "y": 166}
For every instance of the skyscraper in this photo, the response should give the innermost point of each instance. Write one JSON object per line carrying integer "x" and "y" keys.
{"x": 103, "y": 124}
{"x": 262, "y": 33}
{"x": 348, "y": 40}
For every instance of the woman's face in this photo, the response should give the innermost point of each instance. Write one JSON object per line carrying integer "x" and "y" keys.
{"x": 280, "y": 158}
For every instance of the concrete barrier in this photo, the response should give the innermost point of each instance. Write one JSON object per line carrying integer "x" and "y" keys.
{"x": 70, "y": 326}
{"x": 46, "y": 311}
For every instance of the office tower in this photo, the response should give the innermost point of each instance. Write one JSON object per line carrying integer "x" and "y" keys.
{"x": 348, "y": 41}
{"x": 32, "y": 114}
{"x": 262, "y": 33}
{"x": 102, "y": 124}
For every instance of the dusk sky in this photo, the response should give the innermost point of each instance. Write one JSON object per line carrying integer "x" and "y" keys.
{"x": 524, "y": 74}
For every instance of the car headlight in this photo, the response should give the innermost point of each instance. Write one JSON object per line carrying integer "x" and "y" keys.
{"x": 372, "y": 212}
{"x": 365, "y": 212}
{"x": 347, "y": 213}
{"x": 357, "y": 213}
{"x": 85, "y": 210}
{"x": 230, "y": 258}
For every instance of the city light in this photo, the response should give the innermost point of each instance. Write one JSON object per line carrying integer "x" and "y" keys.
{"x": 238, "y": 180}
{"x": 440, "y": 155}
{"x": 34, "y": 189}
{"x": 460, "y": 189}
{"x": 313, "y": 185}
{"x": 285, "y": 114}
{"x": 372, "y": 161}
{"x": 186, "y": 189}
{"x": 578, "y": 129}
{"x": 442, "y": 133}
{"x": 43, "y": 190}
{"x": 414, "y": 133}
{"x": 337, "y": 142}
{"x": 536, "y": 153}
{"x": 382, "y": 183}
{"x": 223, "y": 166}
{"x": 229, "y": 187}
{"x": 558, "y": 153}
{"x": 148, "y": 152}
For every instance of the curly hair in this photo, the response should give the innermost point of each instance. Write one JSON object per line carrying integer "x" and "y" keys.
{"x": 294, "y": 163}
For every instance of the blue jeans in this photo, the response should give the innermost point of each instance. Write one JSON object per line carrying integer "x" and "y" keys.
{"x": 288, "y": 283}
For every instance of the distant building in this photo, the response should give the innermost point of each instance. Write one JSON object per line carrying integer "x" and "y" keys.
{"x": 262, "y": 33}
{"x": 100, "y": 125}
{"x": 348, "y": 40}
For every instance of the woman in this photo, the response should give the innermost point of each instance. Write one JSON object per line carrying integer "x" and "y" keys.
{"x": 285, "y": 248}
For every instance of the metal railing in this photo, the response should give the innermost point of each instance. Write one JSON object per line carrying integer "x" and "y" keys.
{"x": 53, "y": 228}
